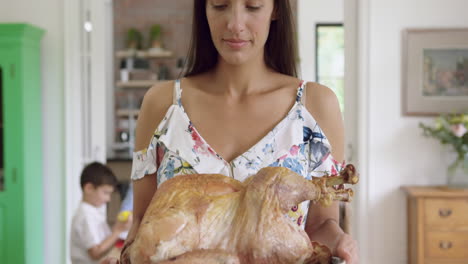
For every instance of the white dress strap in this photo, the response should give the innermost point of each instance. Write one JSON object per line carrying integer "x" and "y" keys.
{"x": 304, "y": 90}
{"x": 177, "y": 92}
{"x": 300, "y": 94}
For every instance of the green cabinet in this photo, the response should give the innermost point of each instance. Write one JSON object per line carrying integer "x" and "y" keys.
{"x": 21, "y": 186}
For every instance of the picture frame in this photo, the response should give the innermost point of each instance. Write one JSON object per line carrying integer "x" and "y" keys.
{"x": 435, "y": 71}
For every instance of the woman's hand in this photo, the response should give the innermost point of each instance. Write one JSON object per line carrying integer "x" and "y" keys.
{"x": 347, "y": 249}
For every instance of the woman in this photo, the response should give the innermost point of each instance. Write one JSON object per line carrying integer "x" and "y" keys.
{"x": 240, "y": 107}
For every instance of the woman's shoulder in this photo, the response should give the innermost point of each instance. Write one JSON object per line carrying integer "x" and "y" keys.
{"x": 157, "y": 99}
{"x": 284, "y": 79}
{"x": 152, "y": 111}
{"x": 322, "y": 103}
{"x": 320, "y": 97}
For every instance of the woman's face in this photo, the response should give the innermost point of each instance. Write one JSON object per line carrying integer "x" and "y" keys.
{"x": 239, "y": 28}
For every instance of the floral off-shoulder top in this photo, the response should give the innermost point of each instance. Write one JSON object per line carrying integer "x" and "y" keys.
{"x": 296, "y": 142}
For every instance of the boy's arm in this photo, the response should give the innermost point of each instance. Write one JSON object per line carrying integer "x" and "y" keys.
{"x": 100, "y": 250}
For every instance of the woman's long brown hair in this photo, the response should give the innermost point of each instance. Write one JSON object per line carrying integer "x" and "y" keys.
{"x": 280, "y": 47}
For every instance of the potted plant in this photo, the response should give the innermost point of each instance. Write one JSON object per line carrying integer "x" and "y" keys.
{"x": 452, "y": 130}
{"x": 156, "y": 37}
{"x": 134, "y": 39}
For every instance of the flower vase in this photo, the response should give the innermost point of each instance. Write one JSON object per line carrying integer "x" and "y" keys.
{"x": 457, "y": 174}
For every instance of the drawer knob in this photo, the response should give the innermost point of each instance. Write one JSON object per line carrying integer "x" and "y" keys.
{"x": 445, "y": 212}
{"x": 445, "y": 244}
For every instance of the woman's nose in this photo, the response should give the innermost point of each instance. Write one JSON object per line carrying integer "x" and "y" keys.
{"x": 236, "y": 23}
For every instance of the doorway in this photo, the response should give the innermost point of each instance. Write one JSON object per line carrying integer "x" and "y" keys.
{"x": 313, "y": 13}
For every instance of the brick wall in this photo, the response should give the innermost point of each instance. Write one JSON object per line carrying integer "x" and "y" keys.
{"x": 174, "y": 16}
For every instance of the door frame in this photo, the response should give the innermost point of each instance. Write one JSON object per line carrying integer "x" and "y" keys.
{"x": 357, "y": 28}
{"x": 85, "y": 95}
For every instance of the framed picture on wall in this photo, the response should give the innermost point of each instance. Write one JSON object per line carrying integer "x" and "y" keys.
{"x": 435, "y": 71}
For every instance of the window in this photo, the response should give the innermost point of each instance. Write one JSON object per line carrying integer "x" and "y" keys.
{"x": 329, "y": 62}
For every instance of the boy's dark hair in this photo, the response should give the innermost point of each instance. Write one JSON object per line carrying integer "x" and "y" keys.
{"x": 97, "y": 174}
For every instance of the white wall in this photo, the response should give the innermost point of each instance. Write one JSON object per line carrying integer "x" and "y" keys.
{"x": 311, "y": 12}
{"x": 398, "y": 154}
{"x": 47, "y": 14}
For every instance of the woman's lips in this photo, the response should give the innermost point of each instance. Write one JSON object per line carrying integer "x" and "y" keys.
{"x": 236, "y": 43}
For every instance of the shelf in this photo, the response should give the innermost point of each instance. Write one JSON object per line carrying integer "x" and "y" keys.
{"x": 121, "y": 145}
{"x": 119, "y": 159}
{"x": 137, "y": 84}
{"x": 121, "y": 54}
{"x": 127, "y": 112}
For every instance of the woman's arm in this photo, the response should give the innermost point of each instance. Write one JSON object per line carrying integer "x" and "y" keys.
{"x": 155, "y": 104}
{"x": 322, "y": 222}
{"x": 144, "y": 190}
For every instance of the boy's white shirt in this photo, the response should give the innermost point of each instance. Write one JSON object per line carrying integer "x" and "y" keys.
{"x": 89, "y": 228}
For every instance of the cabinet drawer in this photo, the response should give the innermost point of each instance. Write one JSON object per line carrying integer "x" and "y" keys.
{"x": 447, "y": 261}
{"x": 446, "y": 214}
{"x": 451, "y": 245}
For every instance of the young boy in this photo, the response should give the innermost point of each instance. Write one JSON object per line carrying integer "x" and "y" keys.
{"x": 91, "y": 236}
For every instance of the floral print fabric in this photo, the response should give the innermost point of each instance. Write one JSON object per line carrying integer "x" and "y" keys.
{"x": 296, "y": 142}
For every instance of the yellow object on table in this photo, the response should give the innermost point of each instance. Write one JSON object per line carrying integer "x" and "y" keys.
{"x": 123, "y": 216}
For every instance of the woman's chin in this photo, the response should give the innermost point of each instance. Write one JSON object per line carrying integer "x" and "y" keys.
{"x": 235, "y": 59}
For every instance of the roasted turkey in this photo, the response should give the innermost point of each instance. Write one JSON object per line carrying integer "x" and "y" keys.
{"x": 211, "y": 218}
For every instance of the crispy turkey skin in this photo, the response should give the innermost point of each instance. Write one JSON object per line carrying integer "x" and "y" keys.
{"x": 211, "y": 218}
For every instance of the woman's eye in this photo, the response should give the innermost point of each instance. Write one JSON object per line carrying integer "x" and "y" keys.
{"x": 219, "y": 7}
{"x": 253, "y": 8}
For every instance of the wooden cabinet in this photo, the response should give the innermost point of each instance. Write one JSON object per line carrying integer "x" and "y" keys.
{"x": 21, "y": 203}
{"x": 437, "y": 225}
